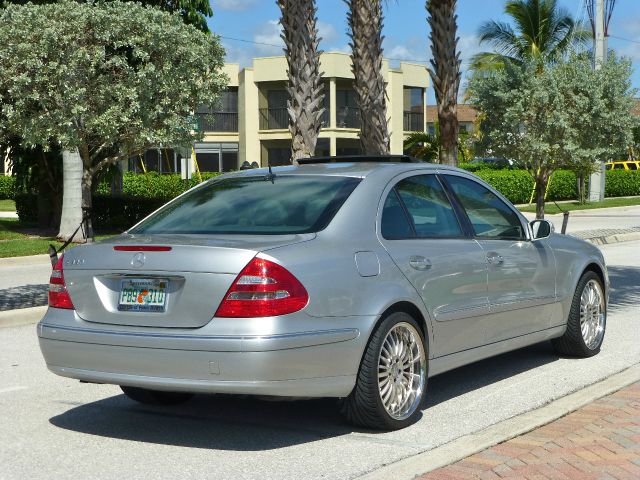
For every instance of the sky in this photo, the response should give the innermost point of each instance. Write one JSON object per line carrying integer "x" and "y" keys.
{"x": 406, "y": 31}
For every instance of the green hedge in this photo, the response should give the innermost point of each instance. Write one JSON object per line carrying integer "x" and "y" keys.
{"x": 110, "y": 212}
{"x": 622, "y": 183}
{"x": 154, "y": 185}
{"x": 7, "y": 187}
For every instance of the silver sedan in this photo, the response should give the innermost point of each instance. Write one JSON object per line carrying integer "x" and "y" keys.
{"x": 351, "y": 280}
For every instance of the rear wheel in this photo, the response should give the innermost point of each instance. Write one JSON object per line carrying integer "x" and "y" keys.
{"x": 392, "y": 377}
{"x": 587, "y": 319}
{"x": 155, "y": 397}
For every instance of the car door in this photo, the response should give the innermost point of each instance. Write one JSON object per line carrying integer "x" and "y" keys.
{"x": 424, "y": 236}
{"x": 521, "y": 273}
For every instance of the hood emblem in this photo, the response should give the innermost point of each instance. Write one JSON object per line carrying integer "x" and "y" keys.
{"x": 138, "y": 260}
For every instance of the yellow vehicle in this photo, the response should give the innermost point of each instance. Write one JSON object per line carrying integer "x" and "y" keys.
{"x": 623, "y": 165}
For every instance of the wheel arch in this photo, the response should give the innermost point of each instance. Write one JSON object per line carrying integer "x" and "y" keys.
{"x": 598, "y": 270}
{"x": 411, "y": 309}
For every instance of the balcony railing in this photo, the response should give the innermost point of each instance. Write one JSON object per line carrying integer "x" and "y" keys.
{"x": 217, "y": 122}
{"x": 347, "y": 117}
{"x": 413, "y": 122}
{"x": 274, "y": 118}
{"x": 278, "y": 118}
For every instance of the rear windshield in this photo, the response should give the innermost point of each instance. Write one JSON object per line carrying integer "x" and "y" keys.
{"x": 254, "y": 205}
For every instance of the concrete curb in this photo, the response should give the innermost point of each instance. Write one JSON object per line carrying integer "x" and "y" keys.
{"x": 21, "y": 316}
{"x": 463, "y": 447}
{"x": 621, "y": 237}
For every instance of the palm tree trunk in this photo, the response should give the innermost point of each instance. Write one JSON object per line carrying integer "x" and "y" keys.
{"x": 305, "y": 85}
{"x": 445, "y": 74}
{"x": 365, "y": 30}
{"x": 72, "y": 170}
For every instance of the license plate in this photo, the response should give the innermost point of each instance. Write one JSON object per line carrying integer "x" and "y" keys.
{"x": 143, "y": 295}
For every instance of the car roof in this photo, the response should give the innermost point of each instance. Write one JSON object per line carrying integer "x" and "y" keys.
{"x": 347, "y": 169}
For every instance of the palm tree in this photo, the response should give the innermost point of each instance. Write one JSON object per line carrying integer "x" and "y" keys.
{"x": 445, "y": 74}
{"x": 426, "y": 146}
{"x": 542, "y": 32}
{"x": 305, "y": 86}
{"x": 365, "y": 30}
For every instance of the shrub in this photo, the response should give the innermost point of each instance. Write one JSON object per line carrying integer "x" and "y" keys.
{"x": 27, "y": 207}
{"x": 154, "y": 184}
{"x": 516, "y": 185}
{"x": 563, "y": 186}
{"x": 622, "y": 183}
{"x": 120, "y": 212}
{"x": 7, "y": 187}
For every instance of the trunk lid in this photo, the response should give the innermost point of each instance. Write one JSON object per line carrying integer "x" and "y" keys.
{"x": 195, "y": 274}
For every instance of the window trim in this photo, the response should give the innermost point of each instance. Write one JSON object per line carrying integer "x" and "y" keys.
{"x": 525, "y": 228}
{"x": 465, "y": 233}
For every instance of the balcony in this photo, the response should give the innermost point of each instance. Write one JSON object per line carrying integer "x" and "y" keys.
{"x": 413, "y": 122}
{"x": 347, "y": 117}
{"x": 217, "y": 122}
{"x": 278, "y": 118}
{"x": 274, "y": 118}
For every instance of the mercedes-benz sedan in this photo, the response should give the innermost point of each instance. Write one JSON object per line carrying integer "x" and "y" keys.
{"x": 350, "y": 280}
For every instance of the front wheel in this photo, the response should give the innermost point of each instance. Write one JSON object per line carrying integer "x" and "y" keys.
{"x": 587, "y": 319}
{"x": 392, "y": 376}
{"x": 155, "y": 397}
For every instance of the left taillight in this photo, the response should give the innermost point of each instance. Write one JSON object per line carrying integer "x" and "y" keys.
{"x": 58, "y": 295}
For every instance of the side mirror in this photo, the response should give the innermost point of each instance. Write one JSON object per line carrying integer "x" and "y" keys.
{"x": 541, "y": 229}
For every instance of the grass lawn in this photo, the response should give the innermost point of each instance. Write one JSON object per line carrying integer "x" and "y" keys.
{"x": 16, "y": 242}
{"x": 550, "y": 207}
{"x": 7, "y": 206}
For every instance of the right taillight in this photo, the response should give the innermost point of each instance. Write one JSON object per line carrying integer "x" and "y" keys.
{"x": 58, "y": 295}
{"x": 263, "y": 289}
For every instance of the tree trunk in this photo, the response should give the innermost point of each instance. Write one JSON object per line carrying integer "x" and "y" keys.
{"x": 87, "y": 203}
{"x": 305, "y": 85}
{"x": 72, "y": 196}
{"x": 541, "y": 189}
{"x": 365, "y": 31}
{"x": 445, "y": 74}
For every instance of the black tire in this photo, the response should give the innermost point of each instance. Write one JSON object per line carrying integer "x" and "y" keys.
{"x": 364, "y": 407}
{"x": 572, "y": 343}
{"x": 155, "y": 397}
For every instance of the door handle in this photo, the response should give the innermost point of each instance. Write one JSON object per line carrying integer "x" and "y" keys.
{"x": 419, "y": 262}
{"x": 494, "y": 259}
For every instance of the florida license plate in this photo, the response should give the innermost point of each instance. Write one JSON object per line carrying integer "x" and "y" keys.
{"x": 143, "y": 295}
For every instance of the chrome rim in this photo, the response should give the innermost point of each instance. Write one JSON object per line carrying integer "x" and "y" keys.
{"x": 592, "y": 314}
{"x": 402, "y": 371}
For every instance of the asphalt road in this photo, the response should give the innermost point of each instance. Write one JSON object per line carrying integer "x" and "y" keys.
{"x": 58, "y": 428}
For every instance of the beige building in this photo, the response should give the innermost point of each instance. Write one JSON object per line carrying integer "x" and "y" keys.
{"x": 251, "y": 123}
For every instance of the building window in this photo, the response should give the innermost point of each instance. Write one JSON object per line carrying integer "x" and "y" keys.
{"x": 413, "y": 105}
{"x": 161, "y": 160}
{"x": 221, "y": 118}
{"x": 347, "y": 112}
{"x": 216, "y": 157}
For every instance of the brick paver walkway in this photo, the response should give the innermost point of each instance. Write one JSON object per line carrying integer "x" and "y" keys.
{"x": 600, "y": 441}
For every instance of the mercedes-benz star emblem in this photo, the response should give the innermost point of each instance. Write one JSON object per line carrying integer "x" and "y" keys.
{"x": 138, "y": 260}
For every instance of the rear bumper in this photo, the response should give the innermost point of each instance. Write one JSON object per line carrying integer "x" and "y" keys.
{"x": 312, "y": 362}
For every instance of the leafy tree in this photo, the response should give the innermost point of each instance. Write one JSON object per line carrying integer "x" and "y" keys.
{"x": 445, "y": 74}
{"x": 567, "y": 115}
{"x": 193, "y": 12}
{"x": 107, "y": 80}
{"x": 542, "y": 32}
{"x": 305, "y": 86}
{"x": 365, "y": 30}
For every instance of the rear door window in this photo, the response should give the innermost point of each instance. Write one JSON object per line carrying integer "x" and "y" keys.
{"x": 490, "y": 217}
{"x": 254, "y": 205}
{"x": 428, "y": 207}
